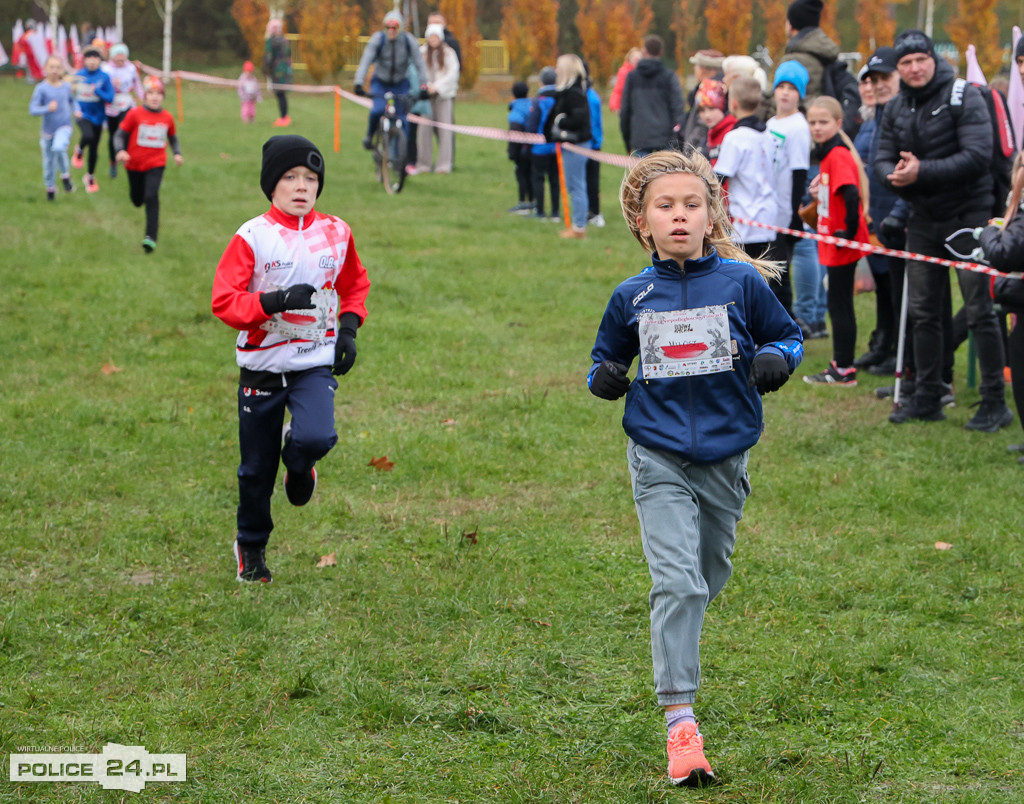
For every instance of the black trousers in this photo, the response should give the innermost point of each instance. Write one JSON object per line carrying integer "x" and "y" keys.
{"x": 90, "y": 142}
{"x": 144, "y": 188}
{"x": 545, "y": 166}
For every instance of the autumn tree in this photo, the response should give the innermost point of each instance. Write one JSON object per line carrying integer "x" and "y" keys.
{"x": 975, "y": 23}
{"x": 529, "y": 29}
{"x": 608, "y": 29}
{"x": 729, "y": 25}
{"x": 877, "y": 25}
{"x": 326, "y": 26}
{"x": 252, "y": 17}
{"x": 460, "y": 15}
{"x": 773, "y": 12}
{"x": 688, "y": 30}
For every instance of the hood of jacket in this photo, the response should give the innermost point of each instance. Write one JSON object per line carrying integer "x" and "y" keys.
{"x": 814, "y": 42}
{"x": 944, "y": 73}
{"x": 649, "y": 67}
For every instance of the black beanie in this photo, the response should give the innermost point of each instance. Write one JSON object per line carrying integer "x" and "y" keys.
{"x": 804, "y": 13}
{"x": 287, "y": 151}
{"x": 1019, "y": 50}
{"x": 913, "y": 41}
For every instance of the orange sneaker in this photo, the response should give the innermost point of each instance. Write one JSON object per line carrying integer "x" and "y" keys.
{"x": 282, "y": 122}
{"x": 76, "y": 159}
{"x": 686, "y": 762}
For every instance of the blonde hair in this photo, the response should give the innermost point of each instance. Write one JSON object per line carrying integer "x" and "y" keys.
{"x": 568, "y": 68}
{"x": 835, "y": 111}
{"x": 633, "y": 200}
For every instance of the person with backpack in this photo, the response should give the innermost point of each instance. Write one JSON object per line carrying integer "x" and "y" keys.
{"x": 937, "y": 160}
{"x": 827, "y": 73}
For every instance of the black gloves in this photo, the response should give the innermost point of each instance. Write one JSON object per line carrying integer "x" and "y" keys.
{"x": 424, "y": 94}
{"x": 609, "y": 381}
{"x": 768, "y": 372}
{"x": 360, "y": 90}
{"x": 345, "y": 348}
{"x": 297, "y": 297}
{"x": 891, "y": 228}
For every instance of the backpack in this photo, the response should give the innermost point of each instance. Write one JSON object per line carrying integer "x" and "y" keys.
{"x": 839, "y": 83}
{"x": 1003, "y": 146}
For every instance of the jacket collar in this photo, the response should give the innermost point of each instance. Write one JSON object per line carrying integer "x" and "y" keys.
{"x": 751, "y": 121}
{"x": 701, "y": 265}
{"x": 291, "y": 221}
{"x": 822, "y": 149}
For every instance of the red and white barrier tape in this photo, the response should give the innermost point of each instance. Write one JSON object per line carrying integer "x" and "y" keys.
{"x": 618, "y": 160}
{"x": 868, "y": 248}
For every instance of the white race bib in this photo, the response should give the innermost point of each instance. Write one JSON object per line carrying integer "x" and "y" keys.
{"x": 150, "y": 136}
{"x": 684, "y": 343}
{"x": 307, "y": 325}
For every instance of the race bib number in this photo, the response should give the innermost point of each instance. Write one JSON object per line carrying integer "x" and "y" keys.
{"x": 85, "y": 93}
{"x": 307, "y": 325}
{"x": 122, "y": 101}
{"x": 149, "y": 136}
{"x": 684, "y": 343}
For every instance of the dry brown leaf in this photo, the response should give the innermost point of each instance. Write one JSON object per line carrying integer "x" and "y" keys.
{"x": 110, "y": 368}
{"x": 449, "y": 423}
{"x": 381, "y": 464}
{"x": 943, "y": 546}
{"x": 470, "y": 537}
{"x": 329, "y": 560}
{"x": 542, "y": 623}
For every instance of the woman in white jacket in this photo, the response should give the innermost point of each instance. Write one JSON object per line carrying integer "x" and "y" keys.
{"x": 442, "y": 80}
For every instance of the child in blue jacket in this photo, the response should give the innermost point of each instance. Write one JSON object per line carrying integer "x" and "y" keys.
{"x": 710, "y": 337}
{"x": 93, "y": 91}
{"x": 519, "y": 152}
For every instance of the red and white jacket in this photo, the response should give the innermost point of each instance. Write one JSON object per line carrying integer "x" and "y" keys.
{"x": 275, "y": 251}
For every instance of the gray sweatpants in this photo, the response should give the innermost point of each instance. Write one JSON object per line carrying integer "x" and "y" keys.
{"x": 688, "y": 514}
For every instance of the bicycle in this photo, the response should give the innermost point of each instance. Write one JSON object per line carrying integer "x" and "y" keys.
{"x": 389, "y": 145}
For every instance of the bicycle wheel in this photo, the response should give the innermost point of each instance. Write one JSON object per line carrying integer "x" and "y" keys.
{"x": 393, "y": 166}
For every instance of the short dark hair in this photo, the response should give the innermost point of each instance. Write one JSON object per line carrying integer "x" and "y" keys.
{"x": 520, "y": 89}
{"x": 654, "y": 45}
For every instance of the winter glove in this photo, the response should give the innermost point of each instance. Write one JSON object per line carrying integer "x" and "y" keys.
{"x": 891, "y": 228}
{"x": 768, "y": 372}
{"x": 609, "y": 381}
{"x": 345, "y": 348}
{"x": 360, "y": 90}
{"x": 297, "y": 297}
{"x": 424, "y": 94}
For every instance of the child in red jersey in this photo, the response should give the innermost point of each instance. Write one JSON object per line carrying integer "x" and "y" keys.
{"x": 141, "y": 143}
{"x": 291, "y": 283}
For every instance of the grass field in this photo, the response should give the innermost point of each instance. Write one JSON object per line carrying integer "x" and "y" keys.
{"x": 484, "y": 634}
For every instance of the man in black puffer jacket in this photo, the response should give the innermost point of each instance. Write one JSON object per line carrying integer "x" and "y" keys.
{"x": 653, "y": 107}
{"x": 934, "y": 150}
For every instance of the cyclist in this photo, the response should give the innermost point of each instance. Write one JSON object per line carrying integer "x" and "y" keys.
{"x": 390, "y": 51}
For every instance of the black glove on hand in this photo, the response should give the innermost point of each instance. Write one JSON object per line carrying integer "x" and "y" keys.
{"x": 891, "y": 228}
{"x": 360, "y": 90}
{"x": 345, "y": 348}
{"x": 297, "y": 297}
{"x": 768, "y": 372}
{"x": 609, "y": 381}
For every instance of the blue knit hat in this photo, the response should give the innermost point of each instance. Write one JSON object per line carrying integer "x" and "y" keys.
{"x": 792, "y": 72}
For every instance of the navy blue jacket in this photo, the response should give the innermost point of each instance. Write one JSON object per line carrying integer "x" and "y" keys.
{"x": 709, "y": 417}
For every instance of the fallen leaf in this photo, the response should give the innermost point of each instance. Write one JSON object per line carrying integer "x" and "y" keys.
{"x": 449, "y": 423}
{"x": 542, "y": 623}
{"x": 110, "y": 368}
{"x": 381, "y": 464}
{"x": 470, "y": 537}
{"x": 943, "y": 546}
{"x": 144, "y": 578}
{"x": 329, "y": 560}
{"x": 225, "y": 156}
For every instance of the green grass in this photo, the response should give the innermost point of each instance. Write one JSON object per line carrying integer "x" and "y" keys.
{"x": 484, "y": 635}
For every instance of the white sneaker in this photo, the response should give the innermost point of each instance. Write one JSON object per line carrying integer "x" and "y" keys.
{"x": 597, "y": 220}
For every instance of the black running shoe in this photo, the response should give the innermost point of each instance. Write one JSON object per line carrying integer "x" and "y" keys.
{"x": 991, "y": 417}
{"x": 252, "y": 563}
{"x": 912, "y": 409}
{"x": 299, "y": 486}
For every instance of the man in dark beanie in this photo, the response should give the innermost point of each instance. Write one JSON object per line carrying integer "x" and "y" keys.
{"x": 291, "y": 283}
{"x": 1018, "y": 56}
{"x": 935, "y": 151}
{"x": 811, "y": 46}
